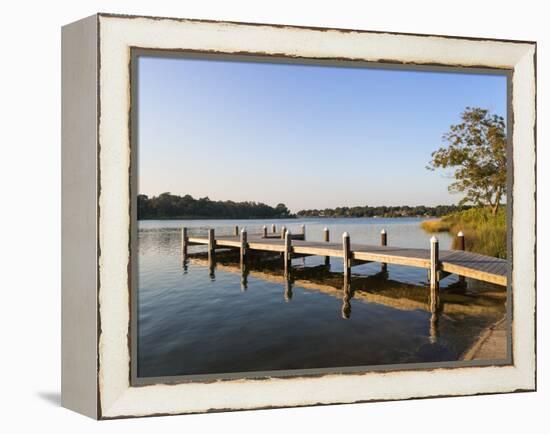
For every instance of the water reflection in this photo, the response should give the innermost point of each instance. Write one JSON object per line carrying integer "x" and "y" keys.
{"x": 435, "y": 308}
{"x": 346, "y": 299}
{"x": 288, "y": 287}
{"x": 244, "y": 276}
{"x": 376, "y": 287}
{"x": 212, "y": 269}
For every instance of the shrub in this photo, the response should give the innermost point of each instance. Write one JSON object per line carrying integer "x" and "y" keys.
{"x": 483, "y": 232}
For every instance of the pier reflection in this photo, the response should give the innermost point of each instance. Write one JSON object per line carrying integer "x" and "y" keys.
{"x": 435, "y": 307}
{"x": 244, "y": 276}
{"x": 288, "y": 288}
{"x": 373, "y": 288}
{"x": 346, "y": 298}
{"x": 212, "y": 267}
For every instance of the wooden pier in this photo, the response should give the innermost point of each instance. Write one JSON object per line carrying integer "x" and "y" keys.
{"x": 439, "y": 263}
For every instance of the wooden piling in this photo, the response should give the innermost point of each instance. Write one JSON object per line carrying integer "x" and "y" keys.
{"x": 434, "y": 264}
{"x": 287, "y": 253}
{"x": 244, "y": 247}
{"x": 460, "y": 245}
{"x": 236, "y": 231}
{"x": 274, "y": 228}
{"x": 283, "y": 232}
{"x": 304, "y": 231}
{"x": 384, "y": 242}
{"x": 326, "y": 237}
{"x": 460, "y": 242}
{"x": 264, "y": 232}
{"x": 346, "y": 249}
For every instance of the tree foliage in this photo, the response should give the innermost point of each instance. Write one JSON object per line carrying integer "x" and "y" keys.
{"x": 476, "y": 150}
{"x": 169, "y": 206}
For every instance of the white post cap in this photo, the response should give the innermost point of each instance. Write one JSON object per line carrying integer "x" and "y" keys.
{"x": 345, "y": 235}
{"x": 433, "y": 239}
{"x": 383, "y": 231}
{"x": 460, "y": 234}
{"x": 243, "y": 230}
{"x": 325, "y": 229}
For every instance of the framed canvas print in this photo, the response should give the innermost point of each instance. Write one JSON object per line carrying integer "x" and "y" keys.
{"x": 261, "y": 216}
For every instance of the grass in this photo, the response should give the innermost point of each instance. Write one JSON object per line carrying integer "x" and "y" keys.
{"x": 483, "y": 232}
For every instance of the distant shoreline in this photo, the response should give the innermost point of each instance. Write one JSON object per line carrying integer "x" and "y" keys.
{"x": 285, "y": 218}
{"x": 216, "y": 218}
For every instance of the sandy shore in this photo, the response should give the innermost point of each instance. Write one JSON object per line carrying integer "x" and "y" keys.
{"x": 491, "y": 345}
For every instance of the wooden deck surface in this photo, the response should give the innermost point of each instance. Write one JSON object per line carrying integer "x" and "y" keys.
{"x": 468, "y": 264}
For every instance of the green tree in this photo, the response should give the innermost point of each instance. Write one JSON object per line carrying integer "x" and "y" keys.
{"x": 282, "y": 210}
{"x": 476, "y": 150}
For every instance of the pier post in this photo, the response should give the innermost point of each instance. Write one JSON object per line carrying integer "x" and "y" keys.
{"x": 384, "y": 242}
{"x": 304, "y": 231}
{"x": 264, "y": 232}
{"x": 346, "y": 248}
{"x": 326, "y": 237}
{"x": 211, "y": 248}
{"x": 287, "y": 253}
{"x": 184, "y": 242}
{"x": 460, "y": 245}
{"x": 244, "y": 247}
{"x": 236, "y": 231}
{"x": 434, "y": 264}
{"x": 274, "y": 228}
{"x": 283, "y": 232}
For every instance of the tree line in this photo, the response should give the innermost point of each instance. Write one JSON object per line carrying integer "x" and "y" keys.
{"x": 383, "y": 211}
{"x": 170, "y": 206}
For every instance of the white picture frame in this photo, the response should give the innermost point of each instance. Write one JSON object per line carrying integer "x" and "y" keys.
{"x": 96, "y": 246}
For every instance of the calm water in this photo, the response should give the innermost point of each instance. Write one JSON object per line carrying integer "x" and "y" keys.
{"x": 193, "y": 321}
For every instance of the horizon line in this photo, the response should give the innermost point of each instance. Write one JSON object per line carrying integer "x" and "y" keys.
{"x": 319, "y": 208}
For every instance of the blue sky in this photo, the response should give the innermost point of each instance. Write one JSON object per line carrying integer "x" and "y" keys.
{"x": 307, "y": 136}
